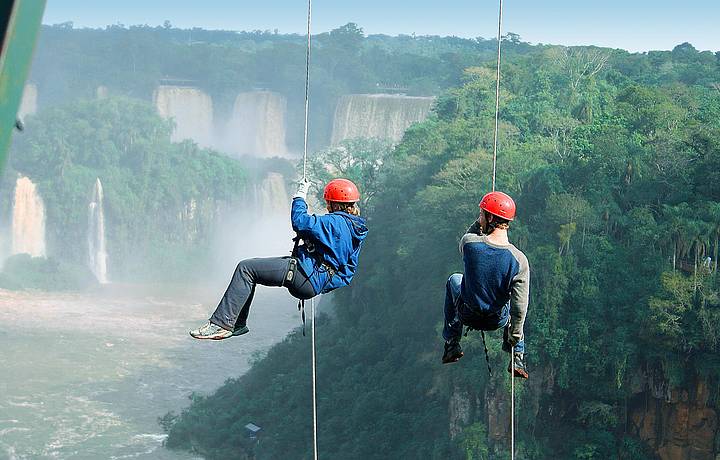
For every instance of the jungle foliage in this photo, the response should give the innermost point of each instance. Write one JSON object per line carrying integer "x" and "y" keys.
{"x": 613, "y": 160}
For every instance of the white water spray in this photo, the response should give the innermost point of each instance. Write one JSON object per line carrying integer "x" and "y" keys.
{"x": 191, "y": 109}
{"x": 28, "y": 220}
{"x": 97, "y": 251}
{"x": 384, "y": 116}
{"x": 256, "y": 127}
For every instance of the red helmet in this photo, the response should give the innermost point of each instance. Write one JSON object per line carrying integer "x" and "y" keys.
{"x": 498, "y": 204}
{"x": 341, "y": 191}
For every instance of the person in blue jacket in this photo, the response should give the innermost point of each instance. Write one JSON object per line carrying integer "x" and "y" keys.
{"x": 326, "y": 261}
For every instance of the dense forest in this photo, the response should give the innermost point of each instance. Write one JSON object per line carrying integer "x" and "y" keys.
{"x": 612, "y": 158}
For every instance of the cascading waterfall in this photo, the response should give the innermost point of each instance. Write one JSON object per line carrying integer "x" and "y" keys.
{"x": 272, "y": 197}
{"x": 28, "y": 220}
{"x": 384, "y": 116}
{"x": 261, "y": 226}
{"x": 28, "y": 105}
{"x": 191, "y": 109}
{"x": 257, "y": 125}
{"x": 97, "y": 250}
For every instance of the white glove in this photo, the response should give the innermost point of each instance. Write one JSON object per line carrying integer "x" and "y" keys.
{"x": 303, "y": 189}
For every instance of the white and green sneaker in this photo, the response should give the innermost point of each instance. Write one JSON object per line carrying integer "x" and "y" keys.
{"x": 240, "y": 331}
{"x": 211, "y": 331}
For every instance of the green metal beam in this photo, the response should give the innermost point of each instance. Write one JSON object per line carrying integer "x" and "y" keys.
{"x": 19, "y": 25}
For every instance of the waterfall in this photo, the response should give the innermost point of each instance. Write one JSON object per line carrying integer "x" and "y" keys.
{"x": 272, "y": 197}
{"x": 101, "y": 92}
{"x": 257, "y": 125}
{"x": 97, "y": 250}
{"x": 28, "y": 105}
{"x": 191, "y": 109}
{"x": 28, "y": 220}
{"x": 384, "y": 116}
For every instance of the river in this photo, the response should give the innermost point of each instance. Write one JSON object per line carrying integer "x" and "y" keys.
{"x": 86, "y": 376}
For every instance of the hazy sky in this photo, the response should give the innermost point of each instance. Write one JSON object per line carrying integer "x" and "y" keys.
{"x": 636, "y": 25}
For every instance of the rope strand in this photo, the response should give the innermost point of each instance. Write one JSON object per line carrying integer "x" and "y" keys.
{"x": 512, "y": 403}
{"x": 307, "y": 89}
{"x": 305, "y": 155}
{"x": 314, "y": 379}
{"x": 494, "y": 171}
{"x": 497, "y": 96}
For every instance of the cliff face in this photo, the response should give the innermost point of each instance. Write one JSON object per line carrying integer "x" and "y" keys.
{"x": 680, "y": 425}
{"x": 676, "y": 424}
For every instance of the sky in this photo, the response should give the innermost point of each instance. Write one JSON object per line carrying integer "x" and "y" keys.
{"x": 634, "y": 25}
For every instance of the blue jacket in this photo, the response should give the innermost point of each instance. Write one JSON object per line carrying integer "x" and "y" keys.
{"x": 336, "y": 238}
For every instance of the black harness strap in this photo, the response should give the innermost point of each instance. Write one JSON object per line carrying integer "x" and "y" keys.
{"x": 487, "y": 355}
{"x": 330, "y": 271}
{"x": 301, "y": 309}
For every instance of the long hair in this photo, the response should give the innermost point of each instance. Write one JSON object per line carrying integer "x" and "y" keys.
{"x": 350, "y": 208}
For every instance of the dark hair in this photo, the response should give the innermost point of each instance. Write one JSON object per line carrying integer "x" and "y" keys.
{"x": 496, "y": 222}
{"x": 350, "y": 208}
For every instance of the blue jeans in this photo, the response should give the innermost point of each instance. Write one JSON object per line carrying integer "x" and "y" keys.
{"x": 233, "y": 309}
{"x": 458, "y": 313}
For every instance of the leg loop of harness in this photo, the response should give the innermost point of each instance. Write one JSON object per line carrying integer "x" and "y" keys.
{"x": 487, "y": 356}
{"x": 301, "y": 309}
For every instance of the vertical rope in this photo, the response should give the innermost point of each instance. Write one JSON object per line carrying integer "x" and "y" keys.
{"x": 495, "y": 148}
{"x": 497, "y": 96}
{"x": 307, "y": 89}
{"x": 305, "y": 155}
{"x": 512, "y": 403}
{"x": 314, "y": 379}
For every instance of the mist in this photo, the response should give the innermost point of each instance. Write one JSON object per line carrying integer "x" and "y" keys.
{"x": 155, "y": 158}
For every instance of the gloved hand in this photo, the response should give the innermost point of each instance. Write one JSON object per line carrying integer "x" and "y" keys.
{"x": 303, "y": 189}
{"x": 511, "y": 337}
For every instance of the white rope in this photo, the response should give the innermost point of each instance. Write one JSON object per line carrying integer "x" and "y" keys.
{"x": 494, "y": 171}
{"x": 314, "y": 379}
{"x": 512, "y": 403}
{"x": 307, "y": 90}
{"x": 497, "y": 96}
{"x": 305, "y": 155}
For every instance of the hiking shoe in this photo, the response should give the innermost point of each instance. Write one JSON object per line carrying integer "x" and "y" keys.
{"x": 519, "y": 365}
{"x": 211, "y": 331}
{"x": 453, "y": 352}
{"x": 240, "y": 330}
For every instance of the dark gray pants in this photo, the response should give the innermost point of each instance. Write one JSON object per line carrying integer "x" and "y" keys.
{"x": 232, "y": 311}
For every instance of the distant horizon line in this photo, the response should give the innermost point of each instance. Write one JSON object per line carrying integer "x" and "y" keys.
{"x": 277, "y": 31}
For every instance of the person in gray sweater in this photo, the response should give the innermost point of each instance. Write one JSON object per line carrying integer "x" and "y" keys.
{"x": 495, "y": 288}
